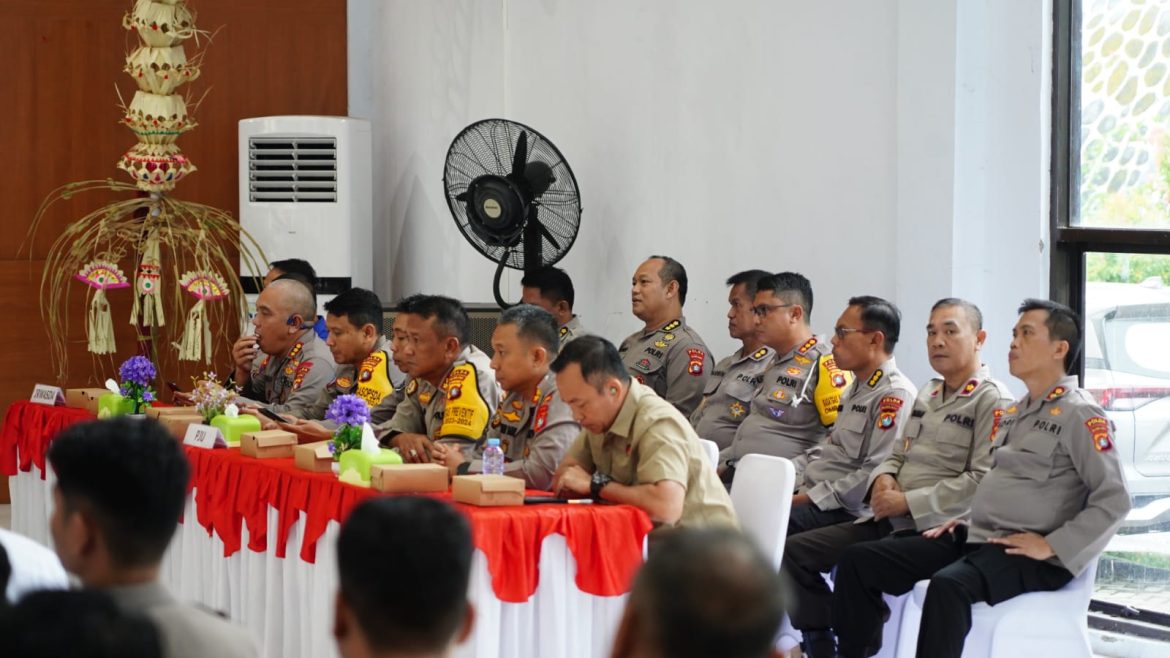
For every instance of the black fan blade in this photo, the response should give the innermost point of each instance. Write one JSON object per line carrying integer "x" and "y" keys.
{"x": 461, "y": 197}
{"x": 520, "y": 156}
{"x": 549, "y": 236}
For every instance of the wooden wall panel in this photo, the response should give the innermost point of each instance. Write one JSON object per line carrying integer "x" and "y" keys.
{"x": 63, "y": 60}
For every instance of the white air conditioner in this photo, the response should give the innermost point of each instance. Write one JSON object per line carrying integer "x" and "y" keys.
{"x": 306, "y": 192}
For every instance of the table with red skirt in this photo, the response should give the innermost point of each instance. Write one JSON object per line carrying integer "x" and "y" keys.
{"x": 258, "y": 542}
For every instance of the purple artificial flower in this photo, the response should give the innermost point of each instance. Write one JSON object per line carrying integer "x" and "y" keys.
{"x": 348, "y": 410}
{"x": 148, "y": 396}
{"x": 137, "y": 370}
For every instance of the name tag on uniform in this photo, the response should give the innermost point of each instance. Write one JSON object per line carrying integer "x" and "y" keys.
{"x": 51, "y": 396}
{"x": 203, "y": 436}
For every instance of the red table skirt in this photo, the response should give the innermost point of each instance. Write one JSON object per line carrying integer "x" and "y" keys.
{"x": 232, "y": 490}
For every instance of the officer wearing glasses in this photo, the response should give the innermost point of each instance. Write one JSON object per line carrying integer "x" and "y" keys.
{"x": 798, "y": 397}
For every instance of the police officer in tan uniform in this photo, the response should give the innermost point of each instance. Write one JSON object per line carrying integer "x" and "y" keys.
{"x": 452, "y": 388}
{"x": 533, "y": 424}
{"x": 365, "y": 367}
{"x": 833, "y": 477}
{"x": 296, "y": 365}
{"x": 666, "y": 355}
{"x": 1053, "y": 499}
{"x": 796, "y": 402}
{"x": 929, "y": 478}
{"x": 551, "y": 288}
{"x": 635, "y": 447}
{"x": 735, "y": 379}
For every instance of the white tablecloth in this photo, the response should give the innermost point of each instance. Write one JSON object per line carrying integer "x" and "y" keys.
{"x": 287, "y": 603}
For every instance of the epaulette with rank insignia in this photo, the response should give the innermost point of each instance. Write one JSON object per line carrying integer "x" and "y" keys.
{"x": 969, "y": 388}
{"x": 808, "y": 345}
{"x": 674, "y": 324}
{"x": 875, "y": 377}
{"x": 564, "y": 331}
{"x": 759, "y": 354}
{"x": 1056, "y": 392}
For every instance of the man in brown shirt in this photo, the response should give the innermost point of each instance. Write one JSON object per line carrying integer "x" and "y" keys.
{"x": 636, "y": 448}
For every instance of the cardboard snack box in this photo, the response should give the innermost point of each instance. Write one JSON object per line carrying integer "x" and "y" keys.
{"x": 155, "y": 412}
{"x": 177, "y": 424}
{"x": 409, "y": 478}
{"x": 487, "y": 490}
{"x": 313, "y": 457}
{"x": 268, "y": 444}
{"x": 84, "y": 398}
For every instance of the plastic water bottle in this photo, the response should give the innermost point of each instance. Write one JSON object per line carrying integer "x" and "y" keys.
{"x": 493, "y": 458}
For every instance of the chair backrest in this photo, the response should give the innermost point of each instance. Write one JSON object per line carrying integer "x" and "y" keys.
{"x": 762, "y": 496}
{"x": 712, "y": 450}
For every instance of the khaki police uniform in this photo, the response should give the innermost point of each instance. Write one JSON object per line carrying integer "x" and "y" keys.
{"x": 294, "y": 380}
{"x": 1055, "y": 472}
{"x": 650, "y": 441}
{"x": 795, "y": 405}
{"x": 375, "y": 380}
{"x": 672, "y": 360}
{"x": 728, "y": 395}
{"x": 186, "y": 631}
{"x": 458, "y": 410}
{"x": 872, "y": 416}
{"x": 534, "y": 433}
{"x": 944, "y": 452}
{"x": 571, "y": 329}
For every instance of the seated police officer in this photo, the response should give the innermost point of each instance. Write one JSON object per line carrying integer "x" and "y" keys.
{"x": 452, "y": 388}
{"x": 551, "y": 289}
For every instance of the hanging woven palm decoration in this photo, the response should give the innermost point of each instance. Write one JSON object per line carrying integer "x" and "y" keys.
{"x": 101, "y": 275}
{"x": 160, "y": 234}
{"x": 204, "y": 285}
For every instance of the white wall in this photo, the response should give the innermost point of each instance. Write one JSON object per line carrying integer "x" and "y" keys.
{"x": 888, "y": 148}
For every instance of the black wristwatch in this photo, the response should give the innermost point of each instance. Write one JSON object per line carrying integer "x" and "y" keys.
{"x": 598, "y": 483}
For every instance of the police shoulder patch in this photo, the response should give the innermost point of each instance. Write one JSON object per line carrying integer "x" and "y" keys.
{"x": 888, "y": 411}
{"x": 1098, "y": 427}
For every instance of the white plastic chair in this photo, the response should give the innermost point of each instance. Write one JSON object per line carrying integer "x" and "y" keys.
{"x": 1033, "y": 624}
{"x": 762, "y": 497}
{"x": 712, "y": 450}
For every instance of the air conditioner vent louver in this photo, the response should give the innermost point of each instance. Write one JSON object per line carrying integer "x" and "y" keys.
{"x": 292, "y": 169}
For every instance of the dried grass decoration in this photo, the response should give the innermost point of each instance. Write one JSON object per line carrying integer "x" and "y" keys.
{"x": 162, "y": 235}
{"x": 204, "y": 285}
{"x": 101, "y": 275}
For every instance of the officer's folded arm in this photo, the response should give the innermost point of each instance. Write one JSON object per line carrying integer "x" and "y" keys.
{"x": 662, "y": 501}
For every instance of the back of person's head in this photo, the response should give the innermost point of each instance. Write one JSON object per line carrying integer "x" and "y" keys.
{"x": 553, "y": 283}
{"x": 704, "y": 592}
{"x": 129, "y": 476}
{"x": 878, "y": 314}
{"x": 76, "y": 624}
{"x": 533, "y": 325}
{"x": 297, "y": 267}
{"x": 597, "y": 358}
{"x": 793, "y": 288}
{"x": 750, "y": 280}
{"x": 299, "y": 295}
{"x": 672, "y": 270}
{"x": 359, "y": 306}
{"x": 450, "y": 318}
{"x": 405, "y": 565}
{"x": 1063, "y": 324}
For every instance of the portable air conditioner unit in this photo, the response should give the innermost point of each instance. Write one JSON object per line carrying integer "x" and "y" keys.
{"x": 306, "y": 192}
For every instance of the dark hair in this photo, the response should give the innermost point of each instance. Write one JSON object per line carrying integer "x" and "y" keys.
{"x": 597, "y": 357}
{"x": 672, "y": 270}
{"x": 749, "y": 278}
{"x": 553, "y": 283}
{"x": 131, "y": 475}
{"x": 405, "y": 565}
{"x": 974, "y": 315}
{"x": 1063, "y": 324}
{"x": 793, "y": 288}
{"x": 359, "y": 305}
{"x": 878, "y": 314}
{"x": 450, "y": 317}
{"x": 304, "y": 302}
{"x": 534, "y": 324}
{"x": 708, "y": 592}
{"x": 77, "y": 623}
{"x": 297, "y": 267}
{"x": 5, "y": 575}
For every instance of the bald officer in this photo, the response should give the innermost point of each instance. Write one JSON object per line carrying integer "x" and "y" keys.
{"x": 297, "y": 365}
{"x": 1053, "y": 499}
{"x": 452, "y": 388}
{"x": 735, "y": 379}
{"x": 666, "y": 355}
{"x": 635, "y": 448}
{"x": 797, "y": 400}
{"x": 929, "y": 478}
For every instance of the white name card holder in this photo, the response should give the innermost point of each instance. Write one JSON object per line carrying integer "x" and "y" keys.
{"x": 203, "y": 436}
{"x": 51, "y": 396}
